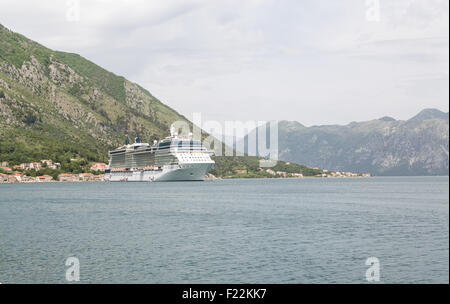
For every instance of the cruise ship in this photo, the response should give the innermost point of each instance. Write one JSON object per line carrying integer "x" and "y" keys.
{"x": 173, "y": 158}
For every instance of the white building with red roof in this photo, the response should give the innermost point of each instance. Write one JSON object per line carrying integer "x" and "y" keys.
{"x": 98, "y": 166}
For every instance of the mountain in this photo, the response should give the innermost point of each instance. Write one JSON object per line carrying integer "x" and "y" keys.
{"x": 385, "y": 146}
{"x": 430, "y": 114}
{"x": 54, "y": 103}
{"x": 60, "y": 106}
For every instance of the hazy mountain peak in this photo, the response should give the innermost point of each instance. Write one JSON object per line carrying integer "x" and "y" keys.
{"x": 290, "y": 124}
{"x": 429, "y": 114}
{"x": 387, "y": 118}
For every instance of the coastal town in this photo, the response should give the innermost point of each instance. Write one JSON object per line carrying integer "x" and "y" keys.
{"x": 21, "y": 173}
{"x": 283, "y": 174}
{"x": 28, "y": 173}
{"x": 325, "y": 173}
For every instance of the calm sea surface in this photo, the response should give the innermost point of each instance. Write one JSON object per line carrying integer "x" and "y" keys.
{"x": 228, "y": 231}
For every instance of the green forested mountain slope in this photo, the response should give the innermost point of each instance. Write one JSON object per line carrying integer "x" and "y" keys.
{"x": 55, "y": 103}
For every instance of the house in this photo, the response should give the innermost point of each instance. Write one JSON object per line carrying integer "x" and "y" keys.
{"x": 19, "y": 176}
{"x": 350, "y": 174}
{"x": 29, "y": 179}
{"x": 336, "y": 174}
{"x": 270, "y": 171}
{"x": 99, "y": 167}
{"x": 3, "y": 178}
{"x": 281, "y": 173}
{"x": 7, "y": 169}
{"x": 44, "y": 178}
{"x": 13, "y": 179}
{"x": 48, "y": 162}
{"x": 31, "y": 166}
{"x": 5, "y": 164}
{"x": 241, "y": 171}
{"x": 36, "y": 165}
{"x": 99, "y": 178}
{"x": 67, "y": 177}
{"x": 86, "y": 177}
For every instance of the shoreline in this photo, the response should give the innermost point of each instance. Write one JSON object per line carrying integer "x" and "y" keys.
{"x": 206, "y": 179}
{"x": 240, "y": 178}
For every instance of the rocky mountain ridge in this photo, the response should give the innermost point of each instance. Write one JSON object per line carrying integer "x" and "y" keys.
{"x": 385, "y": 146}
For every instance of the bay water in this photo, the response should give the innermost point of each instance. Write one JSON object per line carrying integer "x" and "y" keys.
{"x": 311, "y": 230}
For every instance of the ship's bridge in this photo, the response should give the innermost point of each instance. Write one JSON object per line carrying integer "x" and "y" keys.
{"x": 180, "y": 145}
{"x": 189, "y": 151}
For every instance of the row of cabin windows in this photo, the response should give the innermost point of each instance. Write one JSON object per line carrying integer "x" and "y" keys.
{"x": 194, "y": 157}
{"x": 180, "y": 143}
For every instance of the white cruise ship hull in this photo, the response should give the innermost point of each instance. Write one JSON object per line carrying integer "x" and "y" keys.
{"x": 182, "y": 172}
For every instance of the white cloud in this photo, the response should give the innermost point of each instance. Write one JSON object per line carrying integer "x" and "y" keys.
{"x": 315, "y": 61}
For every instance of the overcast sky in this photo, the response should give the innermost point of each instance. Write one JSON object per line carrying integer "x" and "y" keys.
{"x": 314, "y": 61}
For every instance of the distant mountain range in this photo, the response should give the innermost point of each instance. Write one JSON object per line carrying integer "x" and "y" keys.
{"x": 385, "y": 146}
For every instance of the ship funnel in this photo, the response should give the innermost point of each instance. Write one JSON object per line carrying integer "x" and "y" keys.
{"x": 137, "y": 140}
{"x": 127, "y": 141}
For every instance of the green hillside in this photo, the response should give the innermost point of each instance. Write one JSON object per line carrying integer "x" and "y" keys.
{"x": 58, "y": 106}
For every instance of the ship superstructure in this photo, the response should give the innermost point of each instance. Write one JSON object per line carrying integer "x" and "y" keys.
{"x": 174, "y": 158}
